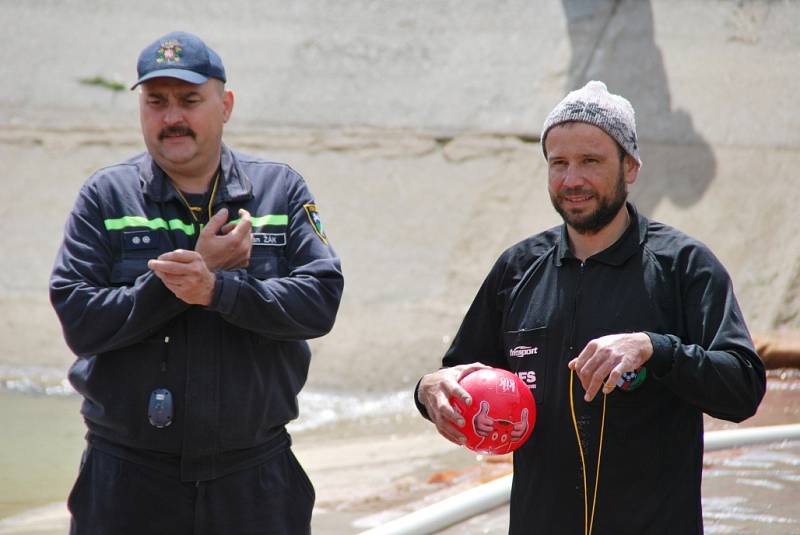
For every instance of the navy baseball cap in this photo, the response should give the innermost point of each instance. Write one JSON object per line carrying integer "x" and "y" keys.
{"x": 179, "y": 55}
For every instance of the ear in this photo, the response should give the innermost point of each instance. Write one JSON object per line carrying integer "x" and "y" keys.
{"x": 227, "y": 102}
{"x": 631, "y": 169}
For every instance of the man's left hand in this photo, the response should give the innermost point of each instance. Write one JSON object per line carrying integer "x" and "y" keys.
{"x": 225, "y": 245}
{"x": 186, "y": 275}
{"x": 603, "y": 361}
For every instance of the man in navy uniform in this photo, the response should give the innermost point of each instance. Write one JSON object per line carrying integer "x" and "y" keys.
{"x": 188, "y": 281}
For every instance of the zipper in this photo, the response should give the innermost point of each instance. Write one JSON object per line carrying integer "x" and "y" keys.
{"x": 166, "y": 355}
{"x": 574, "y": 319}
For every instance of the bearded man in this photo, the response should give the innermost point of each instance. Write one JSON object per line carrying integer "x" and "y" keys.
{"x": 609, "y": 303}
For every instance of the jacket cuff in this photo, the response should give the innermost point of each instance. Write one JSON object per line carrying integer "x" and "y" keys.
{"x": 226, "y": 288}
{"x": 663, "y": 354}
{"x": 420, "y": 407}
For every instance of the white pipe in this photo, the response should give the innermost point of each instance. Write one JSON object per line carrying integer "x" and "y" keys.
{"x": 449, "y": 511}
{"x": 486, "y": 497}
{"x": 736, "y": 438}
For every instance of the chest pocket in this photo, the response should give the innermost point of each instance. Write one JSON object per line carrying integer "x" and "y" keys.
{"x": 526, "y": 355}
{"x": 136, "y": 248}
{"x": 125, "y": 271}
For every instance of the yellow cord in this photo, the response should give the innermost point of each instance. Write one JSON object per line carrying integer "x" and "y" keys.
{"x": 588, "y": 523}
{"x": 193, "y": 209}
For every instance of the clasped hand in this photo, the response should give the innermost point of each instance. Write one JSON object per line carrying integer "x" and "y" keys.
{"x": 220, "y": 246}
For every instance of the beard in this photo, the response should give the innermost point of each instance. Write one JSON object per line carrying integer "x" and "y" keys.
{"x": 595, "y": 221}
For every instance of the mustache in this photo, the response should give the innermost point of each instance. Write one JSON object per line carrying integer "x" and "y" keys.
{"x": 176, "y": 131}
{"x": 575, "y": 191}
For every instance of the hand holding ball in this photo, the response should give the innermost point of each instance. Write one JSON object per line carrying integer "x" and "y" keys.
{"x": 502, "y": 414}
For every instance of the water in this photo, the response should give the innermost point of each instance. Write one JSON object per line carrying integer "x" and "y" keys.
{"x": 43, "y": 436}
{"x": 40, "y": 447}
{"x": 757, "y": 490}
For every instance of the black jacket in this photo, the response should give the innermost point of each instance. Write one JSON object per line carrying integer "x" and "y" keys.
{"x": 235, "y": 367}
{"x": 654, "y": 279}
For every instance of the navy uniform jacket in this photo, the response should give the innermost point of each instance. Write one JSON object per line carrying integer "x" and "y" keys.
{"x": 540, "y": 306}
{"x": 234, "y": 368}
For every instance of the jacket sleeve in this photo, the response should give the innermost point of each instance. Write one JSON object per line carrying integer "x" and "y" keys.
{"x": 299, "y": 306}
{"x": 715, "y": 367}
{"x": 95, "y": 315}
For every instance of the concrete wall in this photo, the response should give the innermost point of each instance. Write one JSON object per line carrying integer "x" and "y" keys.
{"x": 415, "y": 124}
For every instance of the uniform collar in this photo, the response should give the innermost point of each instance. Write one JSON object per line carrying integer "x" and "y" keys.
{"x": 619, "y": 251}
{"x": 234, "y": 184}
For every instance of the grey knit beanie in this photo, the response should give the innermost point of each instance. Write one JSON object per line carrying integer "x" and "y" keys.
{"x": 593, "y": 104}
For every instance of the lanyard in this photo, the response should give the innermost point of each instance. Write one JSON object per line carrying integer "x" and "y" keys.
{"x": 588, "y": 520}
{"x": 194, "y": 209}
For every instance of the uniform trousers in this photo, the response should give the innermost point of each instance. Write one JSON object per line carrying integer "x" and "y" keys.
{"x": 113, "y": 496}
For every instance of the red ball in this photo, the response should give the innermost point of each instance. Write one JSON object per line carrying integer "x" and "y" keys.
{"x": 502, "y": 414}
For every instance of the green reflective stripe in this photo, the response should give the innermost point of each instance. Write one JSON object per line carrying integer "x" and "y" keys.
{"x": 157, "y": 223}
{"x": 134, "y": 221}
{"x": 269, "y": 219}
{"x": 177, "y": 224}
{"x": 129, "y": 221}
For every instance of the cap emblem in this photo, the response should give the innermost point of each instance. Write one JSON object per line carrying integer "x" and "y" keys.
{"x": 169, "y": 52}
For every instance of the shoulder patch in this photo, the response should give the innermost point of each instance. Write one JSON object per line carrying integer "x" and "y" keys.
{"x": 632, "y": 380}
{"x": 316, "y": 222}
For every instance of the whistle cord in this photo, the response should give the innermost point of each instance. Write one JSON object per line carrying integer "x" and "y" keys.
{"x": 588, "y": 521}
{"x": 199, "y": 209}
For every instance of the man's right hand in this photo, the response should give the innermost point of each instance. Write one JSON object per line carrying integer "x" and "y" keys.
{"x": 435, "y": 391}
{"x": 225, "y": 246}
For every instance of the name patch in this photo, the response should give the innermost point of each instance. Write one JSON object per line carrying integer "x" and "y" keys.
{"x": 269, "y": 239}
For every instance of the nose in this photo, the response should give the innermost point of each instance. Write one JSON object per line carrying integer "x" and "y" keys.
{"x": 173, "y": 115}
{"x": 568, "y": 176}
{"x": 572, "y": 177}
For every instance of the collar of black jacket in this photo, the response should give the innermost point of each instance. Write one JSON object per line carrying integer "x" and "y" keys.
{"x": 234, "y": 185}
{"x": 620, "y": 251}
